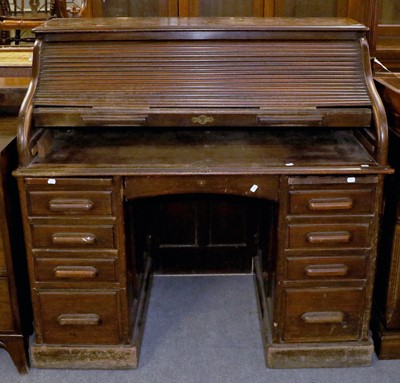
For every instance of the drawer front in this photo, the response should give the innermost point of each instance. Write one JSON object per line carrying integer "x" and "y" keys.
{"x": 60, "y": 183}
{"x": 55, "y": 203}
{"x": 75, "y": 236}
{"x": 323, "y": 314}
{"x": 6, "y": 317}
{"x": 79, "y": 317}
{"x": 76, "y": 270}
{"x": 326, "y": 268}
{"x": 325, "y": 202}
{"x": 328, "y": 236}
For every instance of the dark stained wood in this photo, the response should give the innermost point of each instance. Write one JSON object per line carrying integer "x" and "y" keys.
{"x": 76, "y": 269}
{"x": 12, "y": 92}
{"x": 386, "y": 318}
{"x": 200, "y": 233}
{"x": 327, "y": 267}
{"x": 15, "y": 311}
{"x": 329, "y": 314}
{"x": 227, "y": 79}
{"x": 246, "y": 185}
{"x": 80, "y": 318}
{"x": 331, "y": 201}
{"x": 321, "y": 8}
{"x": 200, "y": 151}
{"x": 191, "y": 130}
{"x": 383, "y": 20}
{"x": 355, "y": 9}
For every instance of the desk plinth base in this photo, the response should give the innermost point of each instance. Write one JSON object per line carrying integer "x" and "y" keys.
{"x": 84, "y": 357}
{"x": 331, "y": 355}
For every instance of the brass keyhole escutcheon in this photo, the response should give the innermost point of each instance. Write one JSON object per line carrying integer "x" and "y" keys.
{"x": 202, "y": 120}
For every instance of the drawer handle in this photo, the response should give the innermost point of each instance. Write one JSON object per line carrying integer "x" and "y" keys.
{"x": 338, "y": 270}
{"x": 329, "y": 237}
{"x": 323, "y": 317}
{"x": 60, "y": 204}
{"x": 78, "y": 320}
{"x": 330, "y": 204}
{"x": 73, "y": 239}
{"x": 72, "y": 272}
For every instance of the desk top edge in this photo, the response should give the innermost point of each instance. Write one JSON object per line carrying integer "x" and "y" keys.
{"x": 154, "y": 24}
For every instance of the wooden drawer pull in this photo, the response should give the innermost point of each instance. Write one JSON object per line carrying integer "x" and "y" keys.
{"x": 323, "y": 317}
{"x": 78, "y": 320}
{"x": 329, "y": 237}
{"x": 100, "y": 118}
{"x": 73, "y": 239}
{"x": 338, "y": 270}
{"x": 330, "y": 204}
{"x": 72, "y": 272}
{"x": 61, "y": 204}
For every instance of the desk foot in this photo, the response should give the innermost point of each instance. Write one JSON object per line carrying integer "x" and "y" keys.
{"x": 15, "y": 345}
{"x": 319, "y": 355}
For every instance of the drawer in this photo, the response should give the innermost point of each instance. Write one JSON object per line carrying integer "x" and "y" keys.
{"x": 320, "y": 202}
{"x": 76, "y": 270}
{"x": 328, "y": 236}
{"x": 326, "y": 267}
{"x": 86, "y": 317}
{"x": 73, "y": 236}
{"x": 54, "y": 203}
{"x": 323, "y": 314}
{"x": 73, "y": 183}
{"x": 6, "y": 317}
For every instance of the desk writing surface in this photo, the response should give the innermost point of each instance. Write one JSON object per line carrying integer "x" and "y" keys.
{"x": 120, "y": 151}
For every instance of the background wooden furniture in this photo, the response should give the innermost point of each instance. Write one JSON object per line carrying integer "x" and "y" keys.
{"x": 79, "y": 8}
{"x": 317, "y": 166}
{"x": 386, "y": 323}
{"x": 15, "y": 72}
{"x": 16, "y": 19}
{"x": 384, "y": 24}
{"x": 385, "y": 45}
{"x": 356, "y": 9}
{"x": 15, "y": 309}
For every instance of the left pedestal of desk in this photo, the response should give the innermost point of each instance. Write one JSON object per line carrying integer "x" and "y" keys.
{"x": 15, "y": 307}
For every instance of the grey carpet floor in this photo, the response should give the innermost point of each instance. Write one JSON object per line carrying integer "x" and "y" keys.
{"x": 204, "y": 329}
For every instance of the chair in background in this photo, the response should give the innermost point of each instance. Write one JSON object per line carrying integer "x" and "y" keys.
{"x": 71, "y": 8}
{"x": 14, "y": 20}
{"x": 18, "y": 16}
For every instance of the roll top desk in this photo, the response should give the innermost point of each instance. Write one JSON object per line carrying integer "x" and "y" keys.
{"x": 279, "y": 110}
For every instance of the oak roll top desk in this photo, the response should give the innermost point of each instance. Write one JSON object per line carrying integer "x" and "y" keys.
{"x": 124, "y": 110}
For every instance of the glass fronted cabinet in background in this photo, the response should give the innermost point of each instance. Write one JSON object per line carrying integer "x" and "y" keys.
{"x": 390, "y": 12}
{"x": 133, "y": 8}
{"x": 356, "y": 9}
{"x": 386, "y": 42}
